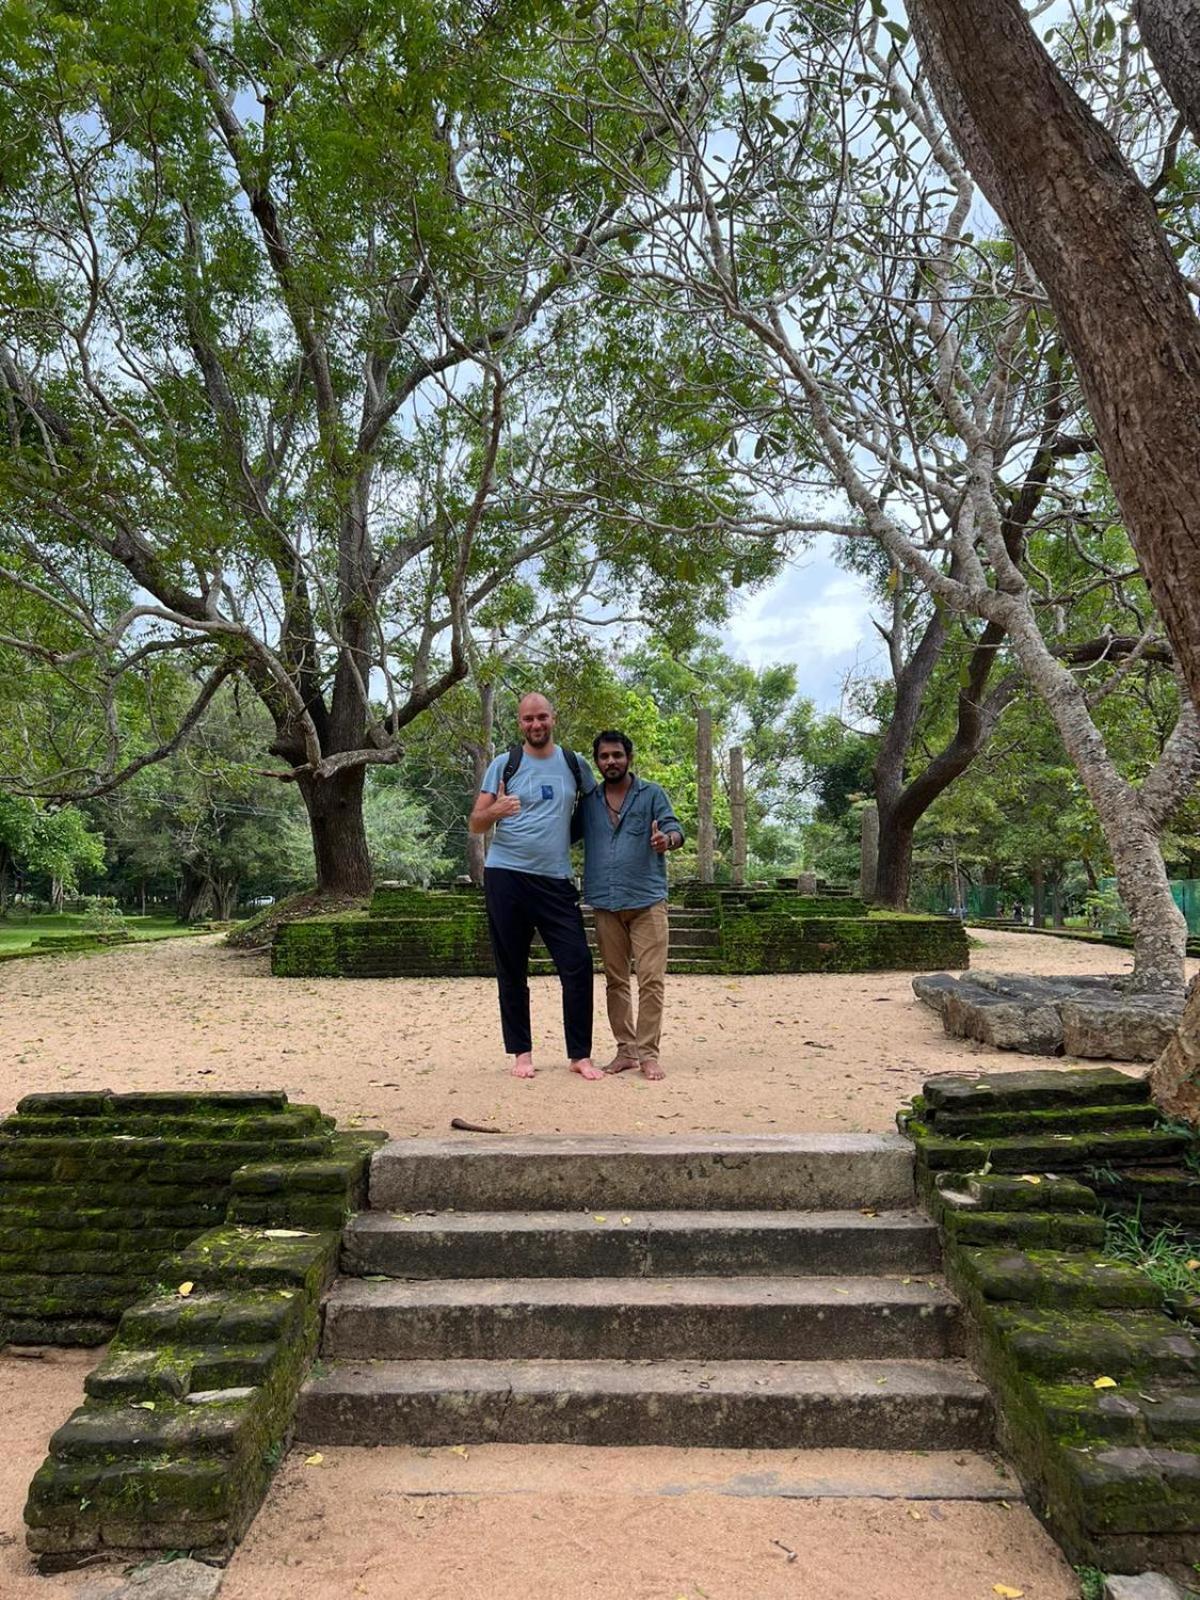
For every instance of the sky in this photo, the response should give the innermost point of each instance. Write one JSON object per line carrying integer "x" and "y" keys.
{"x": 817, "y": 616}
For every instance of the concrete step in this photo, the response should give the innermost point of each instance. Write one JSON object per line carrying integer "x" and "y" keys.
{"x": 564, "y": 1244}
{"x": 705, "y": 1319}
{"x": 615, "y": 1173}
{"x": 801, "y": 1405}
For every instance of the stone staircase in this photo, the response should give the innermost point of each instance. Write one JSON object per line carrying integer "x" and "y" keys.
{"x": 695, "y": 942}
{"x": 706, "y": 1290}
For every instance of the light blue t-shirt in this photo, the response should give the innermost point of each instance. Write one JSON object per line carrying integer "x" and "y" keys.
{"x": 538, "y": 838}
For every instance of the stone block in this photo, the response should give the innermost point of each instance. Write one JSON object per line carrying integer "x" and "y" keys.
{"x": 233, "y": 1255}
{"x": 1136, "y": 1029}
{"x": 1033, "y": 1090}
{"x": 182, "y": 1579}
{"x": 1148, "y": 1586}
{"x": 1050, "y": 1278}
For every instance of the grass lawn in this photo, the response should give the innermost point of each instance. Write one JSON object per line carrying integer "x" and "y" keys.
{"x": 18, "y": 933}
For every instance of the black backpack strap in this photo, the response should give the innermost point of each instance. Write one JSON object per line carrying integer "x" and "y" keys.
{"x": 515, "y": 752}
{"x": 576, "y": 770}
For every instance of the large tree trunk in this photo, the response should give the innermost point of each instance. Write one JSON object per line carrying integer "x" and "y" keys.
{"x": 893, "y": 871}
{"x": 339, "y": 835}
{"x": 1091, "y": 231}
{"x": 1170, "y": 30}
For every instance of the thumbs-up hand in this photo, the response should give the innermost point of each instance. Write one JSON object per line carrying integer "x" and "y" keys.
{"x": 504, "y": 805}
{"x": 658, "y": 840}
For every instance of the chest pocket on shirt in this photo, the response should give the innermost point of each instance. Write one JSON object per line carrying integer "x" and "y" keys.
{"x": 635, "y": 825}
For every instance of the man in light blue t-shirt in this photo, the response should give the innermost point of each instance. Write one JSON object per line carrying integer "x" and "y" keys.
{"x": 528, "y": 885}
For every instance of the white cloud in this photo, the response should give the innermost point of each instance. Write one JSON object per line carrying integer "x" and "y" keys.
{"x": 815, "y": 615}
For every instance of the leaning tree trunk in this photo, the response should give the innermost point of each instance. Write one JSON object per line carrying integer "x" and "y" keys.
{"x": 1094, "y": 238}
{"x": 339, "y": 834}
{"x": 1131, "y": 819}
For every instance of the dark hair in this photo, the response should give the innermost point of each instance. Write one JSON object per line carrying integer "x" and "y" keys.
{"x": 611, "y": 736}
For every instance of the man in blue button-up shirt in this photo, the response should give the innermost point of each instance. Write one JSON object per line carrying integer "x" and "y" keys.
{"x": 628, "y": 827}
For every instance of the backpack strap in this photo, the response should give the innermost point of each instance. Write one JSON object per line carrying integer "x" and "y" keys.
{"x": 576, "y": 770}
{"x": 515, "y": 752}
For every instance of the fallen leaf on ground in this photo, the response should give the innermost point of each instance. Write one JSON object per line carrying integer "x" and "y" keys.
{"x": 1104, "y": 1383}
{"x": 314, "y": 1460}
{"x": 1029, "y": 1177}
{"x": 459, "y": 1450}
{"x": 185, "y": 1289}
{"x": 144, "y": 1405}
{"x": 599, "y": 1217}
{"x": 1007, "y": 1593}
{"x": 286, "y": 1233}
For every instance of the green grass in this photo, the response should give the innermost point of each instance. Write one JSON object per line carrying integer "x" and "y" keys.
{"x": 1163, "y": 1256}
{"x": 19, "y": 933}
{"x": 1091, "y": 1583}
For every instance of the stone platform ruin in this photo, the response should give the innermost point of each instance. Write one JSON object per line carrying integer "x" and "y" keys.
{"x": 1093, "y": 1018}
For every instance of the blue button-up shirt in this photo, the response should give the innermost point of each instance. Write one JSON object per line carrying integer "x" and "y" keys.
{"x": 620, "y": 871}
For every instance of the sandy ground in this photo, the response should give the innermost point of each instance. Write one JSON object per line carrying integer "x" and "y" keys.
{"x": 742, "y": 1055}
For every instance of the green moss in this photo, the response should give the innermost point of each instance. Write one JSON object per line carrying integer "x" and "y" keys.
{"x": 419, "y": 933}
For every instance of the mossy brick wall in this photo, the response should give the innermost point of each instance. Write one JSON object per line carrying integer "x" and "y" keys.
{"x": 769, "y": 942}
{"x": 1118, "y": 941}
{"x": 419, "y": 933}
{"x": 1008, "y": 1164}
{"x": 186, "y": 1417}
{"x": 362, "y": 946}
{"x": 96, "y": 1188}
{"x": 781, "y": 902}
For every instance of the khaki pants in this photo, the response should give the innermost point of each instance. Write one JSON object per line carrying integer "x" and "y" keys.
{"x": 639, "y": 936}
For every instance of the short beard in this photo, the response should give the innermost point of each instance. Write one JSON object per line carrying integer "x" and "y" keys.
{"x": 619, "y": 777}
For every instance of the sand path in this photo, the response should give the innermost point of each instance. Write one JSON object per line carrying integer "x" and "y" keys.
{"x": 742, "y": 1055}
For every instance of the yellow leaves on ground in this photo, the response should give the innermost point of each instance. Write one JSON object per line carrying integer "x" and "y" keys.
{"x": 1029, "y": 1177}
{"x": 1006, "y": 1592}
{"x": 598, "y": 1216}
{"x": 185, "y": 1289}
{"x": 1104, "y": 1383}
{"x": 459, "y": 1450}
{"x": 1193, "y": 1266}
{"x": 314, "y": 1460}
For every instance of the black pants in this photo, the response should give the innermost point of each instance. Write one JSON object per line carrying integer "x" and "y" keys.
{"x": 518, "y": 903}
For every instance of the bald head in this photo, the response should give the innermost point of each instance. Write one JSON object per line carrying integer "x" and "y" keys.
{"x": 535, "y": 717}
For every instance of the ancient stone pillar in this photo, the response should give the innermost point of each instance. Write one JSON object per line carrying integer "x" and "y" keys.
{"x": 737, "y": 814}
{"x": 870, "y": 852}
{"x": 705, "y": 834}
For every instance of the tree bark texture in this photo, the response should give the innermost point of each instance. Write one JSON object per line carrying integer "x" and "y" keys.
{"x": 737, "y": 814}
{"x": 335, "y": 815}
{"x": 705, "y": 832}
{"x": 1170, "y": 31}
{"x": 1091, "y": 232}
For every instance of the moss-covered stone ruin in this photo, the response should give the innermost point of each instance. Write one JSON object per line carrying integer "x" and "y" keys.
{"x": 1096, "y": 1370}
{"x": 443, "y": 933}
{"x": 201, "y": 1230}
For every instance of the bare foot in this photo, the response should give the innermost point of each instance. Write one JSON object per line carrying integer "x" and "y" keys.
{"x": 522, "y": 1066}
{"x": 620, "y": 1063}
{"x": 652, "y": 1070}
{"x": 586, "y": 1068}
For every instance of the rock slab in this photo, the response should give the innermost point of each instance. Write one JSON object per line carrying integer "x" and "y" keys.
{"x": 161, "y": 1580}
{"x": 1095, "y": 1019}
